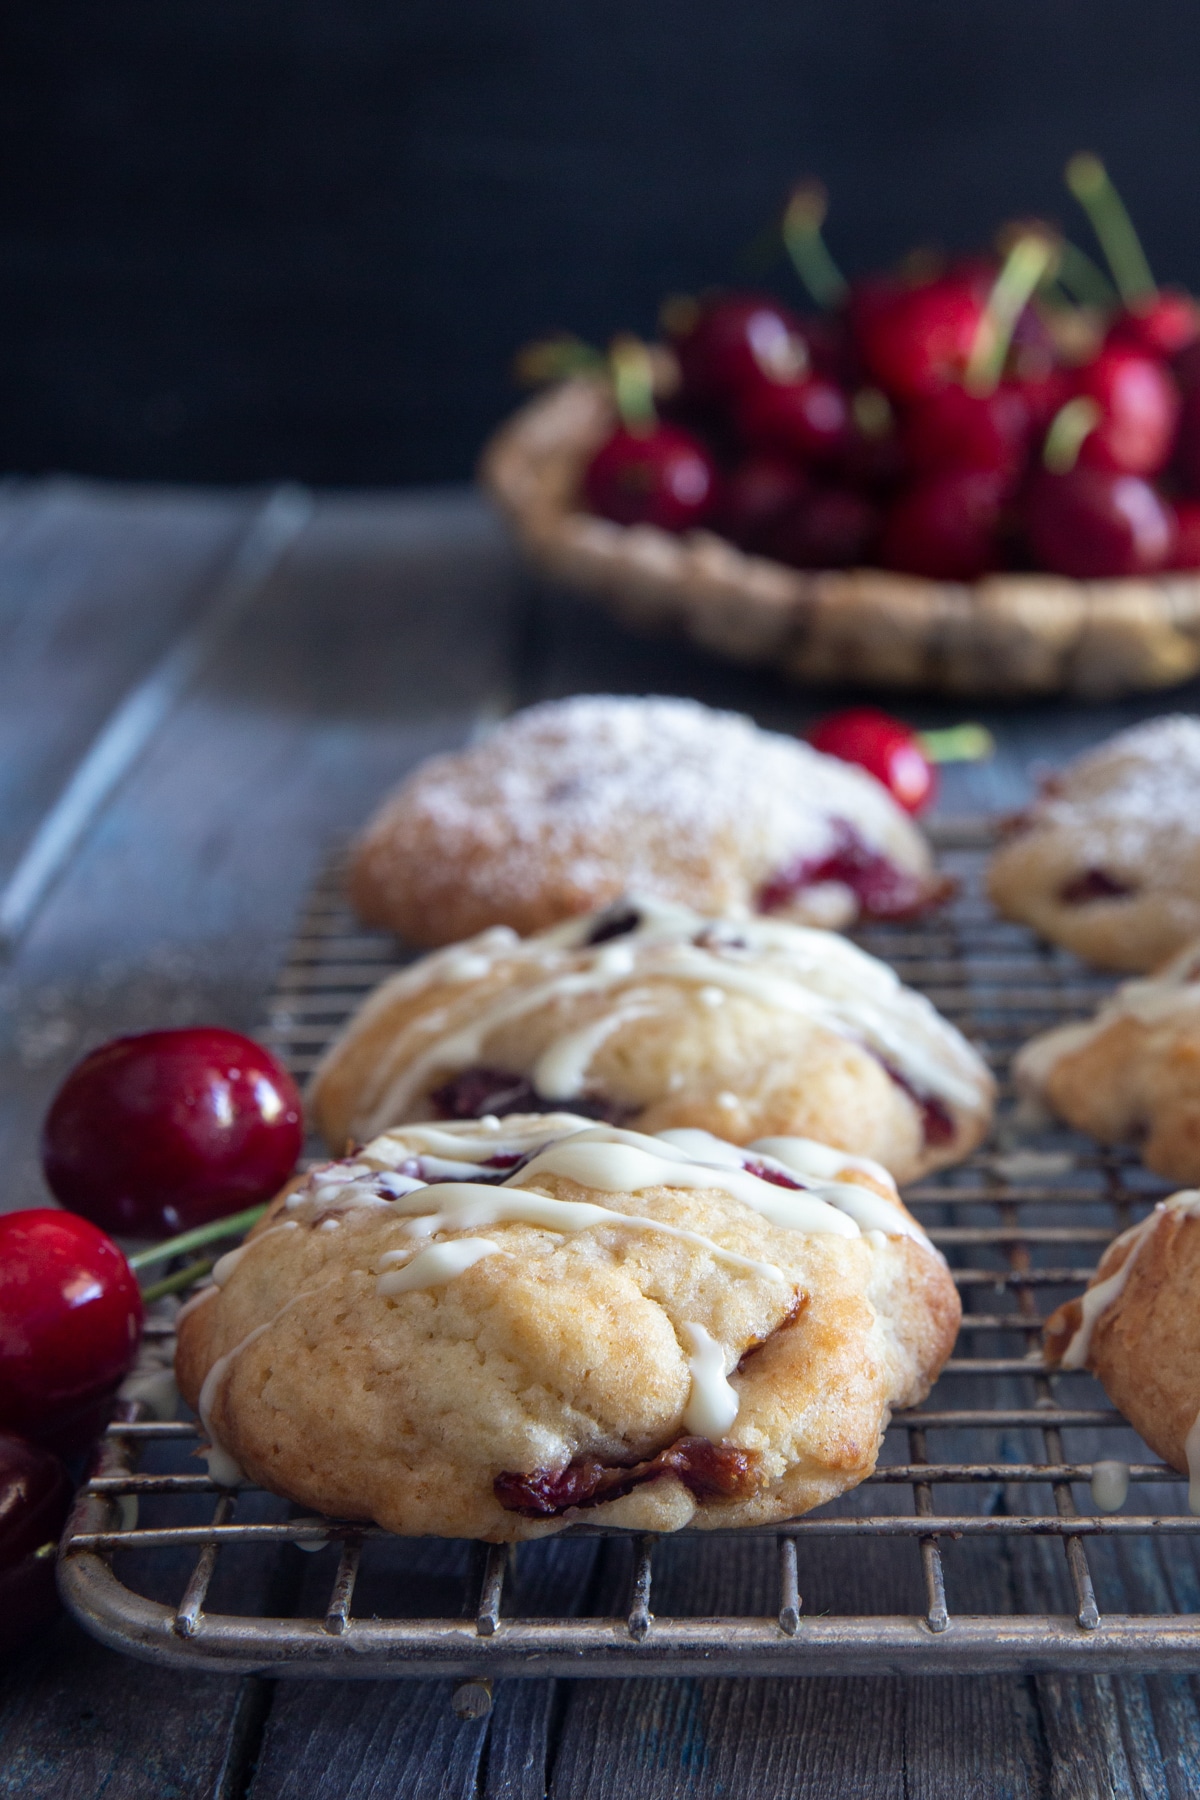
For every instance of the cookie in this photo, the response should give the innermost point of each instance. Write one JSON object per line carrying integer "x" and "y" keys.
{"x": 651, "y": 1015}
{"x": 575, "y": 802}
{"x": 1107, "y": 861}
{"x": 1133, "y": 1072}
{"x": 1135, "y": 1327}
{"x": 497, "y": 1328}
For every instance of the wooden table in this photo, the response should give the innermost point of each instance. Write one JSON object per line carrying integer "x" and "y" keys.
{"x": 272, "y": 665}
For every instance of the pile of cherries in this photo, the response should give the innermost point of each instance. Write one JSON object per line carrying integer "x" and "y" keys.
{"x": 169, "y": 1131}
{"x": 945, "y": 421}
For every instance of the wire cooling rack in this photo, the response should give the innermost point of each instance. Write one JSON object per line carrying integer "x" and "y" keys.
{"x": 977, "y": 1544}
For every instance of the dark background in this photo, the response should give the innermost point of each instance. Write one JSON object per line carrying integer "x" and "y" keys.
{"x": 250, "y": 238}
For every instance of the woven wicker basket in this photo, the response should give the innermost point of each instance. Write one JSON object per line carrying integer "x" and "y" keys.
{"x": 1004, "y": 635}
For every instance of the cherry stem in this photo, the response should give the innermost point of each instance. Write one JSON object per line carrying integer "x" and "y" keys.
{"x": 633, "y": 384}
{"x": 556, "y": 358}
{"x": 1012, "y": 290}
{"x": 175, "y": 1283}
{"x": 1068, "y": 428}
{"x": 801, "y": 227}
{"x": 1083, "y": 279}
{"x": 234, "y": 1226}
{"x": 1089, "y": 181}
{"x": 957, "y": 743}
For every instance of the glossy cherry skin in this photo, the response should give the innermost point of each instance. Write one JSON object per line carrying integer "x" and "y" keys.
{"x": 914, "y": 340}
{"x": 755, "y": 496}
{"x": 1186, "y": 554}
{"x": 885, "y": 747}
{"x": 955, "y": 429}
{"x": 1097, "y": 523}
{"x": 737, "y": 341}
{"x": 157, "y": 1133}
{"x": 809, "y": 420}
{"x": 70, "y": 1322}
{"x": 946, "y": 526}
{"x": 662, "y": 477}
{"x": 1162, "y": 327}
{"x": 1139, "y": 411}
{"x": 832, "y": 528}
{"x": 35, "y": 1498}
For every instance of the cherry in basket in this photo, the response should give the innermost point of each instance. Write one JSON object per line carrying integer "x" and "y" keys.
{"x": 163, "y": 1131}
{"x": 70, "y": 1323}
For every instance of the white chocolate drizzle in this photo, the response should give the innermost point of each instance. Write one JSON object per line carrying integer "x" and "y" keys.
{"x": 786, "y": 968}
{"x": 1096, "y": 1299}
{"x": 435, "y": 1266}
{"x": 1110, "y": 1485}
{"x": 712, "y": 1404}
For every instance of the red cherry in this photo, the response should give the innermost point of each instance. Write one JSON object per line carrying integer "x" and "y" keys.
{"x": 1186, "y": 554}
{"x": 1162, "y": 326}
{"x": 947, "y": 526}
{"x": 955, "y": 429}
{"x": 916, "y": 339}
{"x": 831, "y": 528}
{"x": 1096, "y": 523}
{"x": 806, "y": 419}
{"x": 885, "y": 747}
{"x": 35, "y": 1498}
{"x": 1139, "y": 411}
{"x": 157, "y": 1133}
{"x": 663, "y": 476}
{"x": 1187, "y": 442}
{"x": 755, "y": 496}
{"x": 736, "y": 341}
{"x": 70, "y": 1321}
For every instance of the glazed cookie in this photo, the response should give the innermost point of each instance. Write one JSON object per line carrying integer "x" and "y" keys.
{"x": 650, "y": 1015}
{"x": 575, "y": 802}
{"x": 1132, "y": 1072}
{"x": 497, "y": 1328}
{"x": 1135, "y": 1327}
{"x": 1107, "y": 861}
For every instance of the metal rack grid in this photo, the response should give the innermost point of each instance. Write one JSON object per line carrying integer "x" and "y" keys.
{"x": 986, "y": 1458}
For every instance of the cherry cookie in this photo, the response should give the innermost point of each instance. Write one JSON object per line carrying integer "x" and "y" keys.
{"x": 575, "y": 802}
{"x": 1132, "y": 1072}
{"x": 496, "y": 1328}
{"x": 1135, "y": 1327}
{"x": 1107, "y": 861}
{"x": 650, "y": 1015}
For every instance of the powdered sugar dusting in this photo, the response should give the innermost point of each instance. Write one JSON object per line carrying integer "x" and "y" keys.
{"x": 660, "y": 796}
{"x": 1133, "y": 805}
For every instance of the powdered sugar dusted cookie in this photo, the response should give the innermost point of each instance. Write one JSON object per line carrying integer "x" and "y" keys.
{"x": 497, "y": 1328}
{"x": 1135, "y": 1328}
{"x": 575, "y": 802}
{"x": 1132, "y": 1072}
{"x": 653, "y": 1015}
{"x": 1107, "y": 862}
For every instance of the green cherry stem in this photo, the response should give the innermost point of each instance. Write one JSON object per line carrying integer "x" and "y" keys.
{"x": 554, "y": 359}
{"x": 957, "y": 743}
{"x": 1068, "y": 428}
{"x": 1089, "y": 181}
{"x": 176, "y": 1282}
{"x": 801, "y": 228}
{"x": 1084, "y": 280}
{"x": 633, "y": 384}
{"x": 1012, "y": 290}
{"x": 233, "y": 1226}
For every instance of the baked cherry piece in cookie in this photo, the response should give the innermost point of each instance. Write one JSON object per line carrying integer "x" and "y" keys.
{"x": 1132, "y": 1072}
{"x": 1107, "y": 861}
{"x": 499, "y": 1328}
{"x": 649, "y": 1014}
{"x": 1135, "y": 1327}
{"x": 573, "y": 803}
